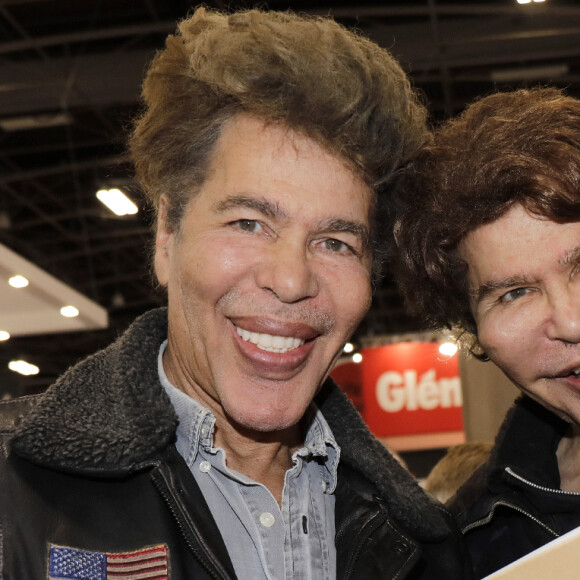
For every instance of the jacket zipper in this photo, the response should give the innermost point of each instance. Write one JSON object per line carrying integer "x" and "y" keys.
{"x": 183, "y": 528}
{"x": 511, "y": 472}
{"x": 489, "y": 517}
{"x": 540, "y": 487}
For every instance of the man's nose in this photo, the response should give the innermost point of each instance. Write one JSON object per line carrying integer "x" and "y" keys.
{"x": 565, "y": 315}
{"x": 288, "y": 272}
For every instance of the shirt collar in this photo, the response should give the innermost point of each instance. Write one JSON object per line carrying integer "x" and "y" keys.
{"x": 319, "y": 442}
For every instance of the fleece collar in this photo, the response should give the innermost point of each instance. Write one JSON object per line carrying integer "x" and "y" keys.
{"x": 406, "y": 502}
{"x": 109, "y": 413}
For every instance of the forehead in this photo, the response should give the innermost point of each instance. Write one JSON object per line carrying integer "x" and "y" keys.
{"x": 253, "y": 156}
{"x": 518, "y": 244}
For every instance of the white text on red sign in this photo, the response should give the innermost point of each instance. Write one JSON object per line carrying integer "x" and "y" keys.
{"x": 396, "y": 392}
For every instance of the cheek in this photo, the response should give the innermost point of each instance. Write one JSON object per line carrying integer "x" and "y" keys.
{"x": 352, "y": 295}
{"x": 212, "y": 271}
{"x": 507, "y": 341}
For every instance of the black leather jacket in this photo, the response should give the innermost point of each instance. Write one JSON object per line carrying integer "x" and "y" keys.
{"x": 91, "y": 465}
{"x": 513, "y": 504}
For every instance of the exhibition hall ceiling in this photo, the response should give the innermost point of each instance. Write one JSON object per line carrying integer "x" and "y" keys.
{"x": 70, "y": 74}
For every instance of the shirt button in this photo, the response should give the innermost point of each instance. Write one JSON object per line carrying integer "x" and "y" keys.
{"x": 204, "y": 431}
{"x": 204, "y": 466}
{"x": 267, "y": 519}
{"x": 324, "y": 486}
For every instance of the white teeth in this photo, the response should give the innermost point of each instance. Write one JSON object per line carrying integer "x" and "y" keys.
{"x": 269, "y": 342}
{"x": 576, "y": 371}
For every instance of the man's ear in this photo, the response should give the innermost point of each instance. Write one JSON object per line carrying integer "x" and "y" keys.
{"x": 164, "y": 238}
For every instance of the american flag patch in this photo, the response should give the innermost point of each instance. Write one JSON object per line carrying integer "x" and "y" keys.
{"x": 74, "y": 564}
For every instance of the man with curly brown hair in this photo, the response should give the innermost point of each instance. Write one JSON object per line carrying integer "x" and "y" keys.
{"x": 490, "y": 244}
{"x": 208, "y": 441}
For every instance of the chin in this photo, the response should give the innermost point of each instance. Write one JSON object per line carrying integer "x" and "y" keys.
{"x": 267, "y": 422}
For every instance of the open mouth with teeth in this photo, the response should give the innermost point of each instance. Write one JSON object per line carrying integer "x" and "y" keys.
{"x": 270, "y": 342}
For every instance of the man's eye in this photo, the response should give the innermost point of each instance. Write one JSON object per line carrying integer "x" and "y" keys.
{"x": 514, "y": 294}
{"x": 336, "y": 245}
{"x": 248, "y": 225}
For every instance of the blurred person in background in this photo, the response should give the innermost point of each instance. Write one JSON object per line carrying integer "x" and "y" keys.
{"x": 191, "y": 447}
{"x": 455, "y": 468}
{"x": 490, "y": 244}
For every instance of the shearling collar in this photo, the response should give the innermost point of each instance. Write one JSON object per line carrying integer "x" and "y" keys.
{"x": 109, "y": 413}
{"x": 406, "y": 502}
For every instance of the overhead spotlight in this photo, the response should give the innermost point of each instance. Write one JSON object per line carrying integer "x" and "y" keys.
{"x": 23, "y": 367}
{"x": 4, "y": 335}
{"x": 348, "y": 347}
{"x": 69, "y": 311}
{"x": 357, "y": 358}
{"x": 448, "y": 348}
{"x": 117, "y": 201}
{"x": 18, "y": 281}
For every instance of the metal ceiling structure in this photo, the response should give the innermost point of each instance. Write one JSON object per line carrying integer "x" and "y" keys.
{"x": 70, "y": 75}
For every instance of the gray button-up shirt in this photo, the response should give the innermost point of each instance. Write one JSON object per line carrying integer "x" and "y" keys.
{"x": 294, "y": 541}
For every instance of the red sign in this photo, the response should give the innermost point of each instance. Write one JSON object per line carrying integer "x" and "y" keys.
{"x": 410, "y": 388}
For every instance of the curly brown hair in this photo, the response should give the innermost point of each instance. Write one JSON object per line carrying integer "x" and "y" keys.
{"x": 520, "y": 147}
{"x": 309, "y": 74}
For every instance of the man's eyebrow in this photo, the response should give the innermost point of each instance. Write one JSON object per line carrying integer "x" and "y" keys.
{"x": 361, "y": 231}
{"x": 486, "y": 289}
{"x": 493, "y": 286}
{"x": 571, "y": 257}
{"x": 261, "y": 205}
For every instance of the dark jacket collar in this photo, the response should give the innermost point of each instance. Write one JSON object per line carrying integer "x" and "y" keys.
{"x": 109, "y": 413}
{"x": 527, "y": 442}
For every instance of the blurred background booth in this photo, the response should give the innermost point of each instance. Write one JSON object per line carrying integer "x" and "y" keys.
{"x": 420, "y": 395}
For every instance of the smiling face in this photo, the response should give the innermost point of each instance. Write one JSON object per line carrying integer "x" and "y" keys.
{"x": 524, "y": 273}
{"x": 268, "y": 276}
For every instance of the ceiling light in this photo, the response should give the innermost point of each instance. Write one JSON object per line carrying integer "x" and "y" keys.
{"x": 23, "y": 367}
{"x": 18, "y": 281}
{"x": 357, "y": 358}
{"x": 35, "y": 122}
{"x": 348, "y": 347}
{"x": 4, "y": 335}
{"x": 448, "y": 348}
{"x": 69, "y": 311}
{"x": 117, "y": 201}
